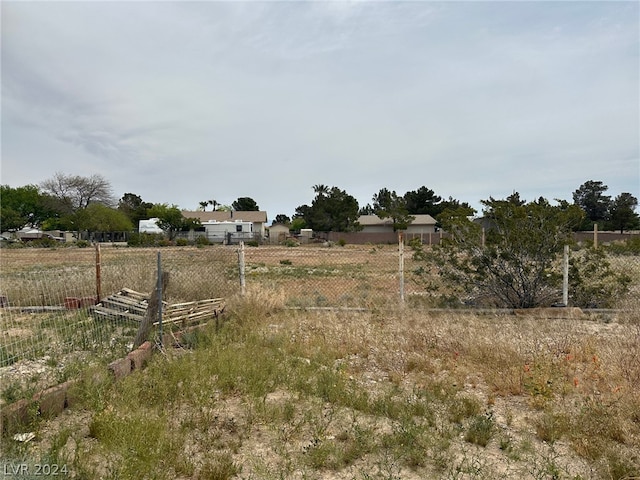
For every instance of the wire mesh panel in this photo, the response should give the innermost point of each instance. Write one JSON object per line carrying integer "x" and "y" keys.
{"x": 48, "y": 313}
{"x": 321, "y": 276}
{"x": 194, "y": 273}
{"x": 48, "y": 295}
{"x": 45, "y": 294}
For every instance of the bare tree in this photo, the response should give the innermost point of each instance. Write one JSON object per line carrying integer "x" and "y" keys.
{"x": 75, "y": 192}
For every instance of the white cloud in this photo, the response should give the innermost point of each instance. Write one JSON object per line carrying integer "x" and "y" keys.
{"x": 178, "y": 101}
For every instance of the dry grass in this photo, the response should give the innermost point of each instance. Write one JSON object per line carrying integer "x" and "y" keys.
{"x": 377, "y": 393}
{"x": 366, "y": 394}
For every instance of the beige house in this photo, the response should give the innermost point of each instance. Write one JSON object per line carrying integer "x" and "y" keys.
{"x": 278, "y": 233}
{"x": 257, "y": 218}
{"x": 422, "y": 224}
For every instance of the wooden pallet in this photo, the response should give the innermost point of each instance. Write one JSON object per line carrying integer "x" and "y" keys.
{"x": 192, "y": 312}
{"x": 125, "y": 305}
{"x": 132, "y": 306}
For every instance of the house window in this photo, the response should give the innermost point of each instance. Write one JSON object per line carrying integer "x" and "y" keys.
{"x": 238, "y": 228}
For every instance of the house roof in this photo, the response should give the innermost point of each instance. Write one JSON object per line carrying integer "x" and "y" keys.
{"x": 221, "y": 216}
{"x": 367, "y": 220}
{"x": 370, "y": 220}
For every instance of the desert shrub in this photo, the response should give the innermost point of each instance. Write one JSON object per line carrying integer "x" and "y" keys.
{"x": 631, "y": 246}
{"x": 592, "y": 281}
{"x": 44, "y": 242}
{"x": 220, "y": 467}
{"x": 551, "y": 426}
{"x": 481, "y": 429}
{"x": 7, "y": 357}
{"x": 201, "y": 240}
{"x": 415, "y": 244}
{"x": 182, "y": 242}
{"x": 145, "y": 239}
{"x": 513, "y": 262}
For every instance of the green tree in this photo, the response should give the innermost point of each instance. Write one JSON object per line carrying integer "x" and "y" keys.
{"x": 388, "y": 204}
{"x": 282, "y": 218}
{"x": 590, "y": 197}
{"x": 332, "y": 209}
{"x": 22, "y": 206}
{"x": 245, "y": 204}
{"x": 321, "y": 190}
{"x": 297, "y": 224}
{"x": 367, "y": 210}
{"x": 100, "y": 218}
{"x": 512, "y": 265}
{"x": 423, "y": 201}
{"x": 622, "y": 215}
{"x": 134, "y": 208}
{"x": 298, "y": 220}
{"x": 170, "y": 218}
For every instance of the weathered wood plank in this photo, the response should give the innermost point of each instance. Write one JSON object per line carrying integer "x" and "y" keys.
{"x": 122, "y": 303}
{"x": 111, "y": 314}
{"x": 127, "y": 292}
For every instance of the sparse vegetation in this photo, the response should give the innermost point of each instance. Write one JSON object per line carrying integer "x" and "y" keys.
{"x": 276, "y": 393}
{"x": 372, "y": 393}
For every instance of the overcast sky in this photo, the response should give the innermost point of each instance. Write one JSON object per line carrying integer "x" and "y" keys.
{"x": 181, "y": 102}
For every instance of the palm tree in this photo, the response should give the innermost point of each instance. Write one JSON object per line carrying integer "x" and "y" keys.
{"x": 321, "y": 190}
{"x": 214, "y": 204}
{"x": 203, "y": 205}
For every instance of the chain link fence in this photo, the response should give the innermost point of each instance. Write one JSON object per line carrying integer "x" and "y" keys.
{"x": 47, "y": 295}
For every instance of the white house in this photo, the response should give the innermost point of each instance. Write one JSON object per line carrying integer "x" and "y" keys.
{"x": 257, "y": 218}
{"x": 228, "y": 232}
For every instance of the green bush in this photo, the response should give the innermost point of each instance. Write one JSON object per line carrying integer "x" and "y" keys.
{"x": 182, "y": 242}
{"x": 631, "y": 246}
{"x": 201, "y": 240}
{"x": 592, "y": 281}
{"x": 481, "y": 429}
{"x": 44, "y": 242}
{"x": 146, "y": 240}
{"x": 415, "y": 244}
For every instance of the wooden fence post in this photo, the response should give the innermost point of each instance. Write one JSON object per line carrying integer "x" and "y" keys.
{"x": 98, "y": 274}
{"x": 241, "y": 268}
{"x": 155, "y": 303}
{"x": 401, "y": 265}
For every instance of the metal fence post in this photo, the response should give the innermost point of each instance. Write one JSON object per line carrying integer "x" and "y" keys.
{"x": 565, "y": 276}
{"x": 98, "y": 274}
{"x": 401, "y": 265}
{"x": 159, "y": 293}
{"x": 241, "y": 268}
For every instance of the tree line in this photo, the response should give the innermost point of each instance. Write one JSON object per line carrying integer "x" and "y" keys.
{"x": 76, "y": 203}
